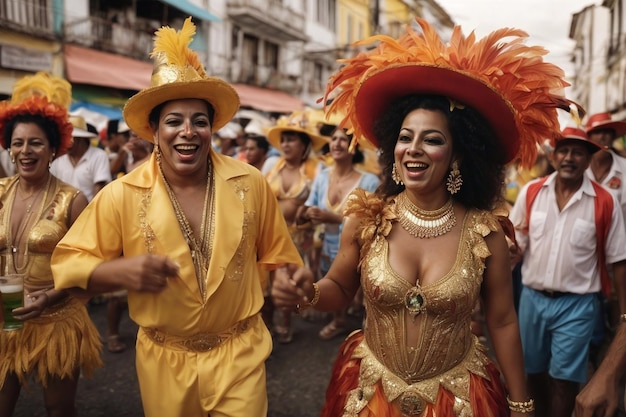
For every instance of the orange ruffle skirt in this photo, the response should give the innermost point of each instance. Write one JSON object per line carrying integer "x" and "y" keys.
{"x": 487, "y": 396}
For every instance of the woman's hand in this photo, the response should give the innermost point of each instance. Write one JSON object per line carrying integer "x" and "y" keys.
{"x": 292, "y": 287}
{"x": 318, "y": 215}
{"x": 36, "y": 302}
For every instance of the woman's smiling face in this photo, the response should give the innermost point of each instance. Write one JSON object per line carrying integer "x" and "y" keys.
{"x": 31, "y": 150}
{"x": 423, "y": 151}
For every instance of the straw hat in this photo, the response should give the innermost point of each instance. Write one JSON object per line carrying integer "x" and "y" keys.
{"x": 122, "y": 127}
{"x": 254, "y": 128}
{"x": 296, "y": 122}
{"x": 604, "y": 121}
{"x": 178, "y": 74}
{"x": 505, "y": 81}
{"x": 578, "y": 135}
{"x": 79, "y": 128}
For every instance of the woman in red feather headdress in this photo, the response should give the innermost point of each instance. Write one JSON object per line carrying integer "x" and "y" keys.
{"x": 425, "y": 247}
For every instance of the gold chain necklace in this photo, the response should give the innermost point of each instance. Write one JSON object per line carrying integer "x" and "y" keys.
{"x": 423, "y": 223}
{"x": 200, "y": 251}
{"x": 19, "y": 236}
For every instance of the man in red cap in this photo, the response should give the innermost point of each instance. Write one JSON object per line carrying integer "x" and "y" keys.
{"x": 569, "y": 229}
{"x": 607, "y": 167}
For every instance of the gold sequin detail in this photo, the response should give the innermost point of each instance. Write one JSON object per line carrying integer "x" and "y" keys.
{"x": 146, "y": 229}
{"x": 446, "y": 352}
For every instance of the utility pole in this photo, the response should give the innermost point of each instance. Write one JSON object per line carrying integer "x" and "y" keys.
{"x": 376, "y": 17}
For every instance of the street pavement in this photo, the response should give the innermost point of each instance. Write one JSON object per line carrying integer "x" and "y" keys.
{"x": 297, "y": 375}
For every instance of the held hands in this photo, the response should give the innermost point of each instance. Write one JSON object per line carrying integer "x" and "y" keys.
{"x": 292, "y": 287}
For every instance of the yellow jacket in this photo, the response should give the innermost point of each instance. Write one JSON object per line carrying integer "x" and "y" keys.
{"x": 133, "y": 215}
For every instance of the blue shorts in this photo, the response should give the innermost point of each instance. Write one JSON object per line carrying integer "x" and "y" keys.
{"x": 556, "y": 333}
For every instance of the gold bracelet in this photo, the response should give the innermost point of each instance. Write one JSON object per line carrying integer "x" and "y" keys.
{"x": 521, "y": 406}
{"x": 316, "y": 295}
{"x": 622, "y": 318}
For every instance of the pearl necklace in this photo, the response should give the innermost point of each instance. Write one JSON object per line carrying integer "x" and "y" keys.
{"x": 423, "y": 223}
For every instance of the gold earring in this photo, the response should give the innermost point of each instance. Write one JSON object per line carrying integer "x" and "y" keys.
{"x": 157, "y": 153}
{"x": 395, "y": 176}
{"x": 12, "y": 157}
{"x": 454, "y": 181}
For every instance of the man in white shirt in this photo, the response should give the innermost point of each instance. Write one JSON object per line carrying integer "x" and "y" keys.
{"x": 83, "y": 166}
{"x": 607, "y": 167}
{"x": 569, "y": 229}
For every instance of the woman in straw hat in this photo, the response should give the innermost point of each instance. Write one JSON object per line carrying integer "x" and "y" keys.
{"x": 297, "y": 138}
{"x": 184, "y": 233}
{"x": 325, "y": 204}
{"x": 36, "y": 209}
{"x": 425, "y": 246}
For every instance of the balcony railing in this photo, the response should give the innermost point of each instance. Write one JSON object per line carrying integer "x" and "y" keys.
{"x": 268, "y": 16}
{"x": 29, "y": 16}
{"x": 98, "y": 33}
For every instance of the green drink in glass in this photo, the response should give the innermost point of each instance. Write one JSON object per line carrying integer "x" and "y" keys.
{"x": 12, "y": 289}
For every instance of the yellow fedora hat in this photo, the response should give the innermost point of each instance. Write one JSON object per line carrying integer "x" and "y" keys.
{"x": 178, "y": 74}
{"x": 301, "y": 122}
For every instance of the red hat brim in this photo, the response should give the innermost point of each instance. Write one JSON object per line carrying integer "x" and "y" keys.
{"x": 618, "y": 126}
{"x": 380, "y": 89}
{"x": 592, "y": 147}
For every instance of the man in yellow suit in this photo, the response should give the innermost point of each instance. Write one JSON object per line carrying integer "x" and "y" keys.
{"x": 185, "y": 234}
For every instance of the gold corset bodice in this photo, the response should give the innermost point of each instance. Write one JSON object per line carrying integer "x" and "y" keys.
{"x": 446, "y": 352}
{"x": 444, "y": 326}
{"x": 45, "y": 233}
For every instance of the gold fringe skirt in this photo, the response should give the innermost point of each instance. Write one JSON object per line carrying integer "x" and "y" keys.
{"x": 55, "y": 344}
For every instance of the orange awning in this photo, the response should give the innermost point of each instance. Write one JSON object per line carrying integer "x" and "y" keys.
{"x": 267, "y": 100}
{"x": 88, "y": 66}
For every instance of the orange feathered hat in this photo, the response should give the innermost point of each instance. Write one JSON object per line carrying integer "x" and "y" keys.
{"x": 41, "y": 94}
{"x": 507, "y": 82}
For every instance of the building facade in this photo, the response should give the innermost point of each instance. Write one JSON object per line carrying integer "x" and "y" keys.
{"x": 277, "y": 53}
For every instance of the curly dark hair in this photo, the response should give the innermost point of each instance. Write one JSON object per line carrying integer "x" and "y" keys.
{"x": 474, "y": 141}
{"x": 49, "y": 127}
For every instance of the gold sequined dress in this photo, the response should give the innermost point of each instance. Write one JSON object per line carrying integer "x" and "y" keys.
{"x": 64, "y": 336}
{"x": 448, "y": 373}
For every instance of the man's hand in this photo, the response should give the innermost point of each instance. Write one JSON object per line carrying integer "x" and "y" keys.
{"x": 292, "y": 287}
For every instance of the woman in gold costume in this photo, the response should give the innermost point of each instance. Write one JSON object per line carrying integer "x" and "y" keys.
{"x": 36, "y": 209}
{"x": 425, "y": 246}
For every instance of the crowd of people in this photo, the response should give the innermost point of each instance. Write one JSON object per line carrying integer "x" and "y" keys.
{"x": 477, "y": 202}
